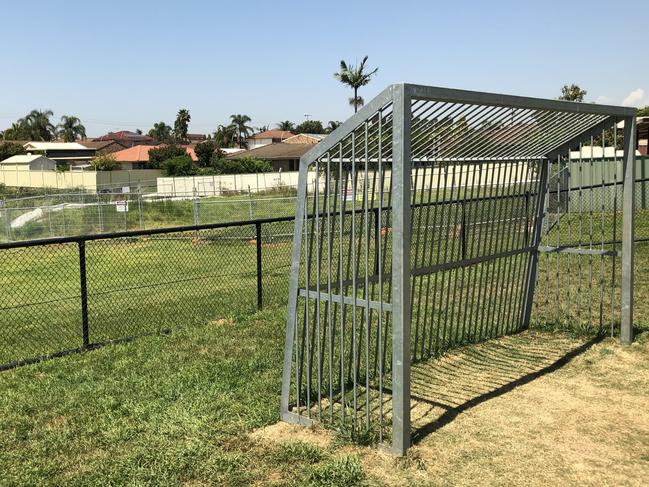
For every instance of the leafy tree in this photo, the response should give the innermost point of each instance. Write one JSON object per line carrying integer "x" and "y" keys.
{"x": 104, "y": 162}
{"x": 572, "y": 93}
{"x": 205, "y": 152}
{"x": 286, "y": 125}
{"x": 245, "y": 165}
{"x": 179, "y": 166}
{"x": 225, "y": 135}
{"x": 310, "y": 127}
{"x": 17, "y": 131}
{"x": 182, "y": 124}
{"x": 355, "y": 77}
{"x": 332, "y": 125}
{"x": 643, "y": 112}
{"x": 8, "y": 149}
{"x": 158, "y": 155}
{"x": 243, "y": 130}
{"x": 160, "y": 131}
{"x": 70, "y": 129}
{"x": 263, "y": 128}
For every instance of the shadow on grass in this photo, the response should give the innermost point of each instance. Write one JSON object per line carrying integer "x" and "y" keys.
{"x": 444, "y": 388}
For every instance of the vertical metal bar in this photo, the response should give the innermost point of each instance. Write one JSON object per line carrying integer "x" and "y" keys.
{"x": 330, "y": 335}
{"x": 401, "y": 164}
{"x": 614, "y": 239}
{"x": 84, "y": 293}
{"x": 601, "y": 257}
{"x": 352, "y": 237}
{"x": 341, "y": 289}
{"x": 291, "y": 319}
{"x": 316, "y": 216}
{"x": 380, "y": 274}
{"x": 536, "y": 236}
{"x": 590, "y": 234}
{"x": 367, "y": 282}
{"x": 626, "y": 332}
{"x": 260, "y": 290}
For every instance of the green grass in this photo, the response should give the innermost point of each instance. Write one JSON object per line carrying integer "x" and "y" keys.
{"x": 163, "y": 410}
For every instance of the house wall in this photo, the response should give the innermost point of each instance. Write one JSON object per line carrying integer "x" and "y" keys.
{"x": 252, "y": 143}
{"x": 89, "y": 180}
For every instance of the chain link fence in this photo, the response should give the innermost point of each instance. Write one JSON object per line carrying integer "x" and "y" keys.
{"x": 69, "y": 294}
{"x": 81, "y": 213}
{"x": 77, "y": 292}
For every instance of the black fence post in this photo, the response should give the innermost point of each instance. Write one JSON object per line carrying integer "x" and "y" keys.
{"x": 84, "y": 293}
{"x": 527, "y": 218}
{"x": 260, "y": 290}
{"x": 463, "y": 231}
{"x": 377, "y": 239}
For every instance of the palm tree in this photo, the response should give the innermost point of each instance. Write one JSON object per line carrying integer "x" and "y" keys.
{"x": 181, "y": 125}
{"x": 263, "y": 128}
{"x": 225, "y": 135}
{"x": 160, "y": 131}
{"x": 70, "y": 129}
{"x": 286, "y": 125}
{"x": 243, "y": 130}
{"x": 38, "y": 125}
{"x": 355, "y": 77}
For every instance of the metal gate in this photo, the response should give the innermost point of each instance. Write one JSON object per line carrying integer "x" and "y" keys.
{"x": 434, "y": 218}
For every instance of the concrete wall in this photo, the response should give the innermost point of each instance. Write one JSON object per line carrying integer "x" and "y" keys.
{"x": 455, "y": 176}
{"x": 89, "y": 180}
{"x": 226, "y": 183}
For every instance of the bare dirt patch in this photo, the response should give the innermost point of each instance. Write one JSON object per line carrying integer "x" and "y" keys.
{"x": 284, "y": 432}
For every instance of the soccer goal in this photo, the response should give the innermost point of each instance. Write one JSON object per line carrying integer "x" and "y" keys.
{"x": 435, "y": 218}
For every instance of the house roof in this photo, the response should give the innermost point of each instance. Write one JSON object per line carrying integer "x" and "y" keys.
{"x": 54, "y": 146}
{"x": 140, "y": 153}
{"x": 125, "y": 135}
{"x": 273, "y": 134}
{"x": 23, "y": 159}
{"x": 275, "y": 151}
{"x": 99, "y": 144}
{"x": 314, "y": 137}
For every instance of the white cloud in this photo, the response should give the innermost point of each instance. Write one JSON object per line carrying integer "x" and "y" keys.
{"x": 603, "y": 100}
{"x": 635, "y": 98}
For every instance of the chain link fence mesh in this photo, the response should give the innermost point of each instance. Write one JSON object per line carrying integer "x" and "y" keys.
{"x": 136, "y": 284}
{"x": 157, "y": 279}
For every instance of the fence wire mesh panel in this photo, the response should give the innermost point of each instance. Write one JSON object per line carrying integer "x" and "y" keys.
{"x": 435, "y": 218}
{"x": 81, "y": 213}
{"x": 70, "y": 294}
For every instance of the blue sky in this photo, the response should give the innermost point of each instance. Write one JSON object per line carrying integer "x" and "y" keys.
{"x": 129, "y": 64}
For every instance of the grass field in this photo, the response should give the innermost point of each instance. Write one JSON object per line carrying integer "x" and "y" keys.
{"x": 198, "y": 407}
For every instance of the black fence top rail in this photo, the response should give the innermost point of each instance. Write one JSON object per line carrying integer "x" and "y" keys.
{"x": 140, "y": 233}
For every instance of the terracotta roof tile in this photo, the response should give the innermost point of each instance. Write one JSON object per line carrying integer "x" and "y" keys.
{"x": 140, "y": 153}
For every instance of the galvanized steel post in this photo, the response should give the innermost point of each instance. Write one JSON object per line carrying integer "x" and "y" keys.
{"x": 401, "y": 230}
{"x": 626, "y": 331}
